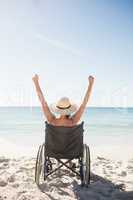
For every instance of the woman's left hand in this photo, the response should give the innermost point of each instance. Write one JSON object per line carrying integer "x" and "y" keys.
{"x": 35, "y": 78}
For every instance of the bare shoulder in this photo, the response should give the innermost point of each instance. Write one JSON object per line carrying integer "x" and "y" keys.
{"x": 52, "y": 119}
{"x": 67, "y": 122}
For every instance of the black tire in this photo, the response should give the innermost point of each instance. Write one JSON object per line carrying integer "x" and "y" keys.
{"x": 86, "y": 166}
{"x": 89, "y": 164}
{"x": 39, "y": 168}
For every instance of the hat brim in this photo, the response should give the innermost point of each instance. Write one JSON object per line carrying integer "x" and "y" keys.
{"x": 67, "y": 111}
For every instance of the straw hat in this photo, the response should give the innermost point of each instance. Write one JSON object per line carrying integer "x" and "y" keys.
{"x": 63, "y": 107}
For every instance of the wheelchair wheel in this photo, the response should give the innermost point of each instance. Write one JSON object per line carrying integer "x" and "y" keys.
{"x": 86, "y": 166}
{"x": 39, "y": 168}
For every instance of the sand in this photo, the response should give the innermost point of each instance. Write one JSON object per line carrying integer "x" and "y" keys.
{"x": 110, "y": 180}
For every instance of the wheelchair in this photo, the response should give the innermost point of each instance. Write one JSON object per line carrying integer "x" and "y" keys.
{"x": 62, "y": 146}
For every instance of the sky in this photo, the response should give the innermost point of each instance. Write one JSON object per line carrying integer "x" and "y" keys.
{"x": 65, "y": 41}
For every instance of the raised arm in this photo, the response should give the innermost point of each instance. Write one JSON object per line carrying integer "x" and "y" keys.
{"x": 43, "y": 102}
{"x": 76, "y": 117}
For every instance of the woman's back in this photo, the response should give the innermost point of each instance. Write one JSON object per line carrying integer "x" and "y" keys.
{"x": 63, "y": 121}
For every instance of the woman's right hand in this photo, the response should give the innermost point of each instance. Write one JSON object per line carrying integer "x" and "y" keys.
{"x": 35, "y": 78}
{"x": 91, "y": 80}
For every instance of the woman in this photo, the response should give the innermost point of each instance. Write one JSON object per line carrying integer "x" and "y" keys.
{"x": 69, "y": 114}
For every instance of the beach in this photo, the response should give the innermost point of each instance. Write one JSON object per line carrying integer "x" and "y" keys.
{"x": 66, "y": 59}
{"x": 110, "y": 180}
{"x": 110, "y": 142}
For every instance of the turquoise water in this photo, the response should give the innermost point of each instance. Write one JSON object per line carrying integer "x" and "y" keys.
{"x": 26, "y": 125}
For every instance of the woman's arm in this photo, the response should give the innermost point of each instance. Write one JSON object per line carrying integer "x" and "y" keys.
{"x": 43, "y": 102}
{"x": 76, "y": 117}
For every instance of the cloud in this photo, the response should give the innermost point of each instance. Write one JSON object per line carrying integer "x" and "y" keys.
{"x": 58, "y": 44}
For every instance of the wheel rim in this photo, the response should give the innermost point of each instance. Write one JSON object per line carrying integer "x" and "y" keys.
{"x": 39, "y": 164}
{"x": 86, "y": 165}
{"x": 36, "y": 167}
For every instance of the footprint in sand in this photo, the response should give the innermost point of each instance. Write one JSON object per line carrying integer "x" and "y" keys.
{"x": 11, "y": 179}
{"x": 130, "y": 169}
{"x": 123, "y": 173}
{"x": 15, "y": 185}
{"x": 2, "y": 159}
{"x": 3, "y": 183}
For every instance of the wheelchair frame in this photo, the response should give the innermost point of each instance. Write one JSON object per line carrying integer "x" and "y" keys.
{"x": 44, "y": 166}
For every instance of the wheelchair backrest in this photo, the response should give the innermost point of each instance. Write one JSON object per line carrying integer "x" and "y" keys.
{"x": 64, "y": 142}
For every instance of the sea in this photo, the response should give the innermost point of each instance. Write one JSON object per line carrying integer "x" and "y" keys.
{"x": 24, "y": 128}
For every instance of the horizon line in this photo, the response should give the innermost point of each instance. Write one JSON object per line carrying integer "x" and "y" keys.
{"x": 86, "y": 107}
